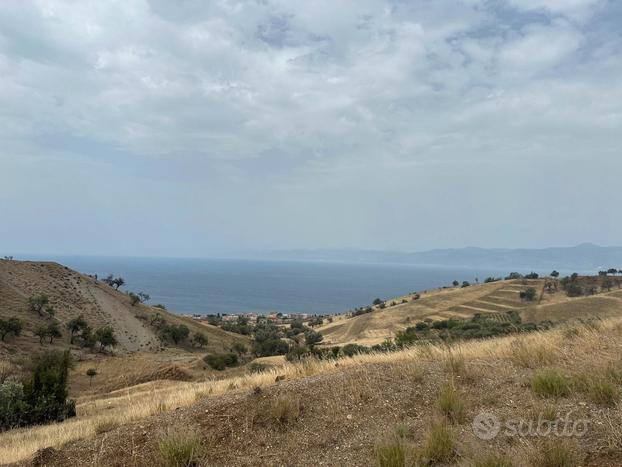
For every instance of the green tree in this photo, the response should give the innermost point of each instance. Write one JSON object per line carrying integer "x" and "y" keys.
{"x": 53, "y": 331}
{"x": 75, "y": 326}
{"x": 199, "y": 339}
{"x": 377, "y": 301}
{"x": 105, "y": 336}
{"x": 50, "y": 311}
{"x": 36, "y": 303}
{"x": 176, "y": 332}
{"x": 555, "y": 274}
{"x": 529, "y": 294}
{"x": 455, "y": 283}
{"x": 41, "y": 332}
{"x": 239, "y": 348}
{"x": 313, "y": 337}
{"x": 11, "y": 325}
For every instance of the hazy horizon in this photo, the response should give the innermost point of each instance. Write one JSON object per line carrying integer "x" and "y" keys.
{"x": 186, "y": 129}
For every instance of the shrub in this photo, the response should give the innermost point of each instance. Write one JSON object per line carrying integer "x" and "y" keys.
{"x": 180, "y": 447}
{"x": 175, "y": 332}
{"x": 455, "y": 364}
{"x": 529, "y": 294}
{"x": 42, "y": 398}
{"x": 105, "y": 336}
{"x": 451, "y": 404}
{"x": 221, "y": 361}
{"x": 199, "y": 339}
{"x": 11, "y": 325}
{"x": 37, "y": 303}
{"x": 350, "y": 350}
{"x": 551, "y": 383}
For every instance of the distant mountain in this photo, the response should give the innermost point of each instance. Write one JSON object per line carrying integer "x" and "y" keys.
{"x": 584, "y": 257}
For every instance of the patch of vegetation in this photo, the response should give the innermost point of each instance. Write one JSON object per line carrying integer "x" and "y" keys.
{"x": 41, "y": 397}
{"x": 598, "y": 389}
{"x": 180, "y": 447}
{"x": 10, "y": 326}
{"x": 438, "y": 447}
{"x": 392, "y": 454}
{"x": 221, "y": 361}
{"x": 106, "y": 425}
{"x": 532, "y": 354}
{"x": 451, "y": 404}
{"x": 285, "y": 410}
{"x": 555, "y": 453}
{"x": 551, "y": 383}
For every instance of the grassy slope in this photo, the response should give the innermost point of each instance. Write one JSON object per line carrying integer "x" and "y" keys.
{"x": 496, "y": 297}
{"x": 72, "y": 294}
{"x": 347, "y": 410}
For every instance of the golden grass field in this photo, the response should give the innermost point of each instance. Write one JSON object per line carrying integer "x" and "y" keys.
{"x": 579, "y": 347}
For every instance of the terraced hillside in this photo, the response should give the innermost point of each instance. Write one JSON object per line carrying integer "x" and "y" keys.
{"x": 492, "y": 298}
{"x": 73, "y": 294}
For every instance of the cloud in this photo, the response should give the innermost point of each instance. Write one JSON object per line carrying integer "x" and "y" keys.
{"x": 308, "y": 121}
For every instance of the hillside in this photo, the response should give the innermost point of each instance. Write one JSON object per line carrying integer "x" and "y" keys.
{"x": 495, "y": 298}
{"x": 73, "y": 294}
{"x": 413, "y": 407}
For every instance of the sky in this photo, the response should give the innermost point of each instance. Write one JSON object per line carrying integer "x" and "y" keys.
{"x": 192, "y": 128}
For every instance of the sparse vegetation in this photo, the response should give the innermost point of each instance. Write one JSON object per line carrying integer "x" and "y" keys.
{"x": 451, "y": 404}
{"x": 221, "y": 361}
{"x": 551, "y": 383}
{"x": 438, "y": 446}
{"x": 180, "y": 447}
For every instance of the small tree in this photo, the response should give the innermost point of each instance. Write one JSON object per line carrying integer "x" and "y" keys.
{"x": 465, "y": 284}
{"x": 41, "y": 332}
{"x": 53, "y": 331}
{"x": 36, "y": 303}
{"x": 76, "y": 325}
{"x": 455, "y": 283}
{"x": 177, "y": 333}
{"x": 140, "y": 297}
{"x": 377, "y": 301}
{"x": 555, "y": 274}
{"x": 313, "y": 337}
{"x": 11, "y": 325}
{"x": 91, "y": 373}
{"x": 529, "y": 294}
{"x": 239, "y": 348}
{"x": 50, "y": 311}
{"x": 105, "y": 336}
{"x": 199, "y": 339}
{"x": 118, "y": 282}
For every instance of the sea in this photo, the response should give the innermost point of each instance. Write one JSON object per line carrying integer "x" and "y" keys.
{"x": 209, "y": 286}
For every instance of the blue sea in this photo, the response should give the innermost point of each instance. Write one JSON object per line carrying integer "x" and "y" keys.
{"x": 206, "y": 286}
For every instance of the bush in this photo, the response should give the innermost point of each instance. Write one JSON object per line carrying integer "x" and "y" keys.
{"x": 42, "y": 398}
{"x": 529, "y": 294}
{"x": 175, "y": 332}
{"x": 350, "y": 350}
{"x": 551, "y": 383}
{"x": 180, "y": 447}
{"x": 221, "y": 361}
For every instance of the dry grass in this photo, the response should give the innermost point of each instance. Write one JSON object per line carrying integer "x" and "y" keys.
{"x": 179, "y": 447}
{"x": 451, "y": 404}
{"x": 556, "y": 453}
{"x": 551, "y": 383}
{"x": 533, "y": 352}
{"x": 125, "y": 406}
{"x": 438, "y": 447}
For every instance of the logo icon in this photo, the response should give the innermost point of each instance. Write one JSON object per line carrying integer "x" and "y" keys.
{"x": 486, "y": 426}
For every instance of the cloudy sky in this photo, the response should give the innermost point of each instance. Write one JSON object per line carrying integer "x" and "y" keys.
{"x": 192, "y": 128}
